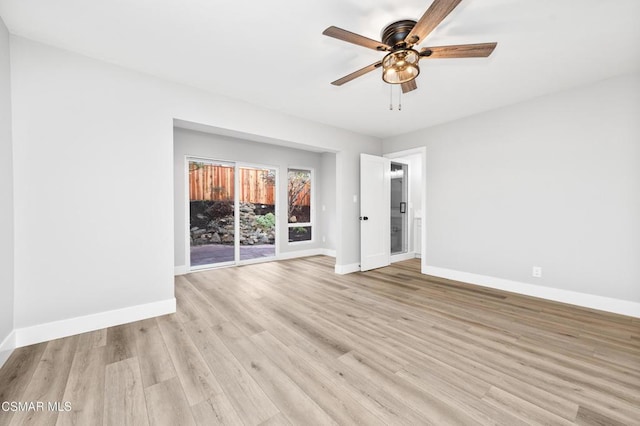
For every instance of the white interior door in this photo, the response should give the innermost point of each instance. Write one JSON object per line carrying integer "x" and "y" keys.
{"x": 375, "y": 216}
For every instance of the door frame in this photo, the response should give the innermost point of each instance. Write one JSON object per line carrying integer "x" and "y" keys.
{"x": 236, "y": 212}
{"x": 422, "y": 152}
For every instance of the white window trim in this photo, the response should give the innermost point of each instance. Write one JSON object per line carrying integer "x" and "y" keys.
{"x": 312, "y": 212}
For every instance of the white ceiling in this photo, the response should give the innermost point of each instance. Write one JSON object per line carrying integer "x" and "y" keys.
{"x": 273, "y": 54}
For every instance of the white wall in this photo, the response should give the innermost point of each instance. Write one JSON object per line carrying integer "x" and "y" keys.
{"x": 6, "y": 197}
{"x": 93, "y": 149}
{"x": 218, "y": 147}
{"x": 553, "y": 182}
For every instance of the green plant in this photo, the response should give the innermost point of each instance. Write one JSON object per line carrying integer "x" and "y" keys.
{"x": 266, "y": 222}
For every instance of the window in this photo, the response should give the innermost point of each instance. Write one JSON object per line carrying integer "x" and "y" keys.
{"x": 300, "y": 214}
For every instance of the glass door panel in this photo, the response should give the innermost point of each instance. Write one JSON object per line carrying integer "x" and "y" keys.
{"x": 399, "y": 194}
{"x": 256, "y": 212}
{"x": 211, "y": 213}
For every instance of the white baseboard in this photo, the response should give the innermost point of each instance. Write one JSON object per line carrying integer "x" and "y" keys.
{"x": 7, "y": 346}
{"x": 68, "y": 327}
{"x": 328, "y": 252}
{"x": 299, "y": 253}
{"x": 347, "y": 269}
{"x": 602, "y": 303}
{"x": 402, "y": 256}
{"x": 180, "y": 270}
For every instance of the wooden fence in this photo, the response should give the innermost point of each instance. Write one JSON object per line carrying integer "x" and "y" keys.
{"x": 213, "y": 183}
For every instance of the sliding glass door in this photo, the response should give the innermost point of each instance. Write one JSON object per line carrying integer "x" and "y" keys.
{"x": 211, "y": 212}
{"x": 232, "y": 213}
{"x": 257, "y": 212}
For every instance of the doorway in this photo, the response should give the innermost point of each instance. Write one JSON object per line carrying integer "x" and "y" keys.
{"x": 408, "y": 240}
{"x": 399, "y": 201}
{"x": 232, "y": 213}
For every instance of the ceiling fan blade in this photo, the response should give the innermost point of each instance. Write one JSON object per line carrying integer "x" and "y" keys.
{"x": 480, "y": 50}
{"x": 356, "y": 74}
{"x": 409, "y": 86}
{"x": 438, "y": 10}
{"x": 354, "y": 38}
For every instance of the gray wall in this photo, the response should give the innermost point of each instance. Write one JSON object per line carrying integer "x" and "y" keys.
{"x": 218, "y": 147}
{"x": 67, "y": 108}
{"x": 327, "y": 188}
{"x": 6, "y": 192}
{"x": 553, "y": 182}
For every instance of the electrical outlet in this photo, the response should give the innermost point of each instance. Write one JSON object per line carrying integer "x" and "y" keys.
{"x": 537, "y": 272}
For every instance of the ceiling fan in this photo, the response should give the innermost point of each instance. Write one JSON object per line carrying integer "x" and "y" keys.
{"x": 400, "y": 65}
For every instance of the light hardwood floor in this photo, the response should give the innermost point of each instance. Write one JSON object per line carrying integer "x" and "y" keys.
{"x": 292, "y": 343}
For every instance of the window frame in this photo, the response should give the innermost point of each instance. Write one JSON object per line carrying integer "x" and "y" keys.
{"x": 312, "y": 211}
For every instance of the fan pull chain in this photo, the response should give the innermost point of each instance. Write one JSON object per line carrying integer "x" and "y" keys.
{"x": 391, "y": 97}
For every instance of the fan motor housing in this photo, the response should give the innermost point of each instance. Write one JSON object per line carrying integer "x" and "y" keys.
{"x": 394, "y": 34}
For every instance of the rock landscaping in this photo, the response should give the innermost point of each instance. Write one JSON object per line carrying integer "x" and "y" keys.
{"x": 212, "y": 222}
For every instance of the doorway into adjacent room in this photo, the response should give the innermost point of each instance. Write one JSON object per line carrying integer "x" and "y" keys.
{"x": 399, "y": 202}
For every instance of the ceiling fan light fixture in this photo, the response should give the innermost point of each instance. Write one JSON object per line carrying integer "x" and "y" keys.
{"x": 400, "y": 66}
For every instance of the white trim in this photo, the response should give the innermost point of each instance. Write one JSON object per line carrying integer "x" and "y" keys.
{"x": 347, "y": 269}
{"x": 7, "y": 346}
{"x": 422, "y": 151}
{"x": 276, "y": 212}
{"x": 187, "y": 214}
{"x": 237, "y": 165}
{"x": 282, "y": 256}
{"x": 312, "y": 207}
{"x": 602, "y": 303}
{"x": 402, "y": 256}
{"x": 328, "y": 252}
{"x": 300, "y": 253}
{"x": 68, "y": 327}
{"x": 405, "y": 153}
{"x": 182, "y": 270}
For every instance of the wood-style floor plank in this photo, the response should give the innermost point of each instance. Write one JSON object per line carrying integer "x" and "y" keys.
{"x": 337, "y": 400}
{"x": 85, "y": 388}
{"x": 124, "y": 402}
{"x": 248, "y": 399}
{"x": 167, "y": 405}
{"x": 159, "y": 367}
{"x": 196, "y": 378}
{"x": 217, "y": 410}
{"x": 48, "y": 382}
{"x": 121, "y": 343}
{"x": 16, "y": 374}
{"x": 290, "y": 342}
